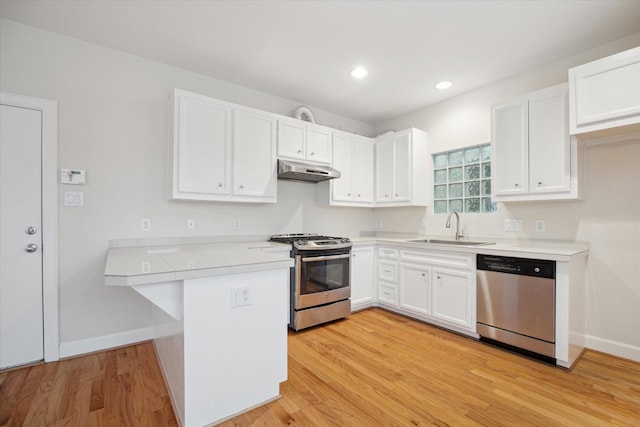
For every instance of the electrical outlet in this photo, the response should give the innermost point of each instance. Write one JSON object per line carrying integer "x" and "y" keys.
{"x": 541, "y": 226}
{"x": 513, "y": 225}
{"x": 191, "y": 224}
{"x": 240, "y": 297}
{"x": 236, "y": 224}
{"x": 145, "y": 224}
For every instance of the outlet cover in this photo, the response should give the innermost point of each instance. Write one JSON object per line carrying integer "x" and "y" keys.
{"x": 240, "y": 297}
{"x": 541, "y": 226}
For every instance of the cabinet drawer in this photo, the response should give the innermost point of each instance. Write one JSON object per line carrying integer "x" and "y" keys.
{"x": 387, "y": 253}
{"x": 388, "y": 270}
{"x": 387, "y": 293}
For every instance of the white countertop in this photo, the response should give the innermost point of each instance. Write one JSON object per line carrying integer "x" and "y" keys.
{"x": 148, "y": 263}
{"x": 556, "y": 250}
{"x": 131, "y": 266}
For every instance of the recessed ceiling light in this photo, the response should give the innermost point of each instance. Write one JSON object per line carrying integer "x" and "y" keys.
{"x": 359, "y": 73}
{"x": 445, "y": 84}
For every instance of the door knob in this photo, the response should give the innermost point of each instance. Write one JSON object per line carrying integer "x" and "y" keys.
{"x": 31, "y": 230}
{"x": 31, "y": 247}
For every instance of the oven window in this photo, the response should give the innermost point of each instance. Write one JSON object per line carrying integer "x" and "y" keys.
{"x": 322, "y": 276}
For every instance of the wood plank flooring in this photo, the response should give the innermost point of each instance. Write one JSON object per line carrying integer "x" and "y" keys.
{"x": 374, "y": 369}
{"x": 120, "y": 387}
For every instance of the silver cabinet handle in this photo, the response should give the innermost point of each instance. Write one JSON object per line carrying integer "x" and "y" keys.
{"x": 31, "y": 230}
{"x": 324, "y": 258}
{"x": 31, "y": 248}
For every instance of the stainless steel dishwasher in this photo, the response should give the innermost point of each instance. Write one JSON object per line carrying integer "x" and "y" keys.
{"x": 516, "y": 303}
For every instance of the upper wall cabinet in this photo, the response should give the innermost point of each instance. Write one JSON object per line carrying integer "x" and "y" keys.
{"x": 533, "y": 156}
{"x": 402, "y": 177}
{"x": 305, "y": 141}
{"x": 353, "y": 158}
{"x": 221, "y": 151}
{"x": 605, "y": 95}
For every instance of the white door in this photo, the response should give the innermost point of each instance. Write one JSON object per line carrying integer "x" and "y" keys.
{"x": 21, "y": 309}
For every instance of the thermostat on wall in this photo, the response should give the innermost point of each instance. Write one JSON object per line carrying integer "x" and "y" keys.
{"x": 72, "y": 176}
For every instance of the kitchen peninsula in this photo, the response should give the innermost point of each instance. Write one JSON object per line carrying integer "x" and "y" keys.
{"x": 219, "y": 321}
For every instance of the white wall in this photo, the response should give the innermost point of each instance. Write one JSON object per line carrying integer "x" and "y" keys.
{"x": 113, "y": 115}
{"x": 608, "y": 217}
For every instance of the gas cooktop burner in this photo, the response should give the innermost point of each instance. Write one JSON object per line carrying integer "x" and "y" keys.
{"x": 312, "y": 241}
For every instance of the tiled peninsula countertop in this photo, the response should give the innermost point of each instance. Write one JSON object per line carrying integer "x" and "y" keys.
{"x": 139, "y": 265}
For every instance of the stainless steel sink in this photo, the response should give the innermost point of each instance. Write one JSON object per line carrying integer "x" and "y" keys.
{"x": 449, "y": 242}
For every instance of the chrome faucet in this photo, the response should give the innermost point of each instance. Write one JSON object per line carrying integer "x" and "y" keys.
{"x": 448, "y": 224}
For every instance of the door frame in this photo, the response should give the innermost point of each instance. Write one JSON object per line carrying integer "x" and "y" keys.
{"x": 49, "y": 109}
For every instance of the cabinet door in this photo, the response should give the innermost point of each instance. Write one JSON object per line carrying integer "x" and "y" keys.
{"x": 384, "y": 169}
{"x": 606, "y": 93}
{"x": 510, "y": 168}
{"x": 402, "y": 166}
{"x": 362, "y": 277}
{"x": 454, "y": 297}
{"x": 549, "y": 144}
{"x": 254, "y": 156}
{"x": 291, "y": 139}
{"x": 318, "y": 145}
{"x": 362, "y": 169}
{"x": 415, "y": 288}
{"x": 203, "y": 147}
{"x": 343, "y": 161}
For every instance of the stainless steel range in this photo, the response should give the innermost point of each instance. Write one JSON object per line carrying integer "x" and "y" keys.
{"x": 320, "y": 279}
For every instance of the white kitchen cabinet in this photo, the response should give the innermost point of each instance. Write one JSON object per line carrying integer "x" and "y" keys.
{"x": 254, "y": 155}
{"x": 221, "y": 151}
{"x": 353, "y": 158}
{"x": 605, "y": 95}
{"x": 433, "y": 286}
{"x": 305, "y": 141}
{"x": 402, "y": 165}
{"x": 387, "y": 277}
{"x": 454, "y": 297}
{"x": 201, "y": 149}
{"x": 415, "y": 288}
{"x": 533, "y": 156}
{"x": 362, "y": 277}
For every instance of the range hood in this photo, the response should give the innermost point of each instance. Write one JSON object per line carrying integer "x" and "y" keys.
{"x": 298, "y": 171}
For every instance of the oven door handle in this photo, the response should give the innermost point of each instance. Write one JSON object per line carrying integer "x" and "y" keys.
{"x": 324, "y": 258}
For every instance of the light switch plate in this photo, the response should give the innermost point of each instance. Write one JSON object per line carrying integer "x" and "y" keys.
{"x": 73, "y": 198}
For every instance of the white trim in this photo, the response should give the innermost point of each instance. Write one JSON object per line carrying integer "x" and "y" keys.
{"x": 49, "y": 110}
{"x": 615, "y": 348}
{"x": 105, "y": 342}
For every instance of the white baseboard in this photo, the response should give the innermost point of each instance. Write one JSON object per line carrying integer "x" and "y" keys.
{"x": 615, "y": 348}
{"x": 104, "y": 342}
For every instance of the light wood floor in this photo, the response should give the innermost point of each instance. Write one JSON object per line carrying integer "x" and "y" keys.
{"x": 374, "y": 369}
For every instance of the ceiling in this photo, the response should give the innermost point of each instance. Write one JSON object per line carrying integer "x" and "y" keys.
{"x": 304, "y": 50}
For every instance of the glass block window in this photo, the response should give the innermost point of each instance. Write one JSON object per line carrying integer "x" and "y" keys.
{"x": 462, "y": 181}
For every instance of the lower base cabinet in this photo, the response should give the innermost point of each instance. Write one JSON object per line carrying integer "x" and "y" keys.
{"x": 435, "y": 287}
{"x": 362, "y": 277}
{"x": 454, "y": 297}
{"x": 415, "y": 291}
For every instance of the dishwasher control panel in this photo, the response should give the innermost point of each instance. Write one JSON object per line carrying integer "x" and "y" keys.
{"x": 521, "y": 266}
